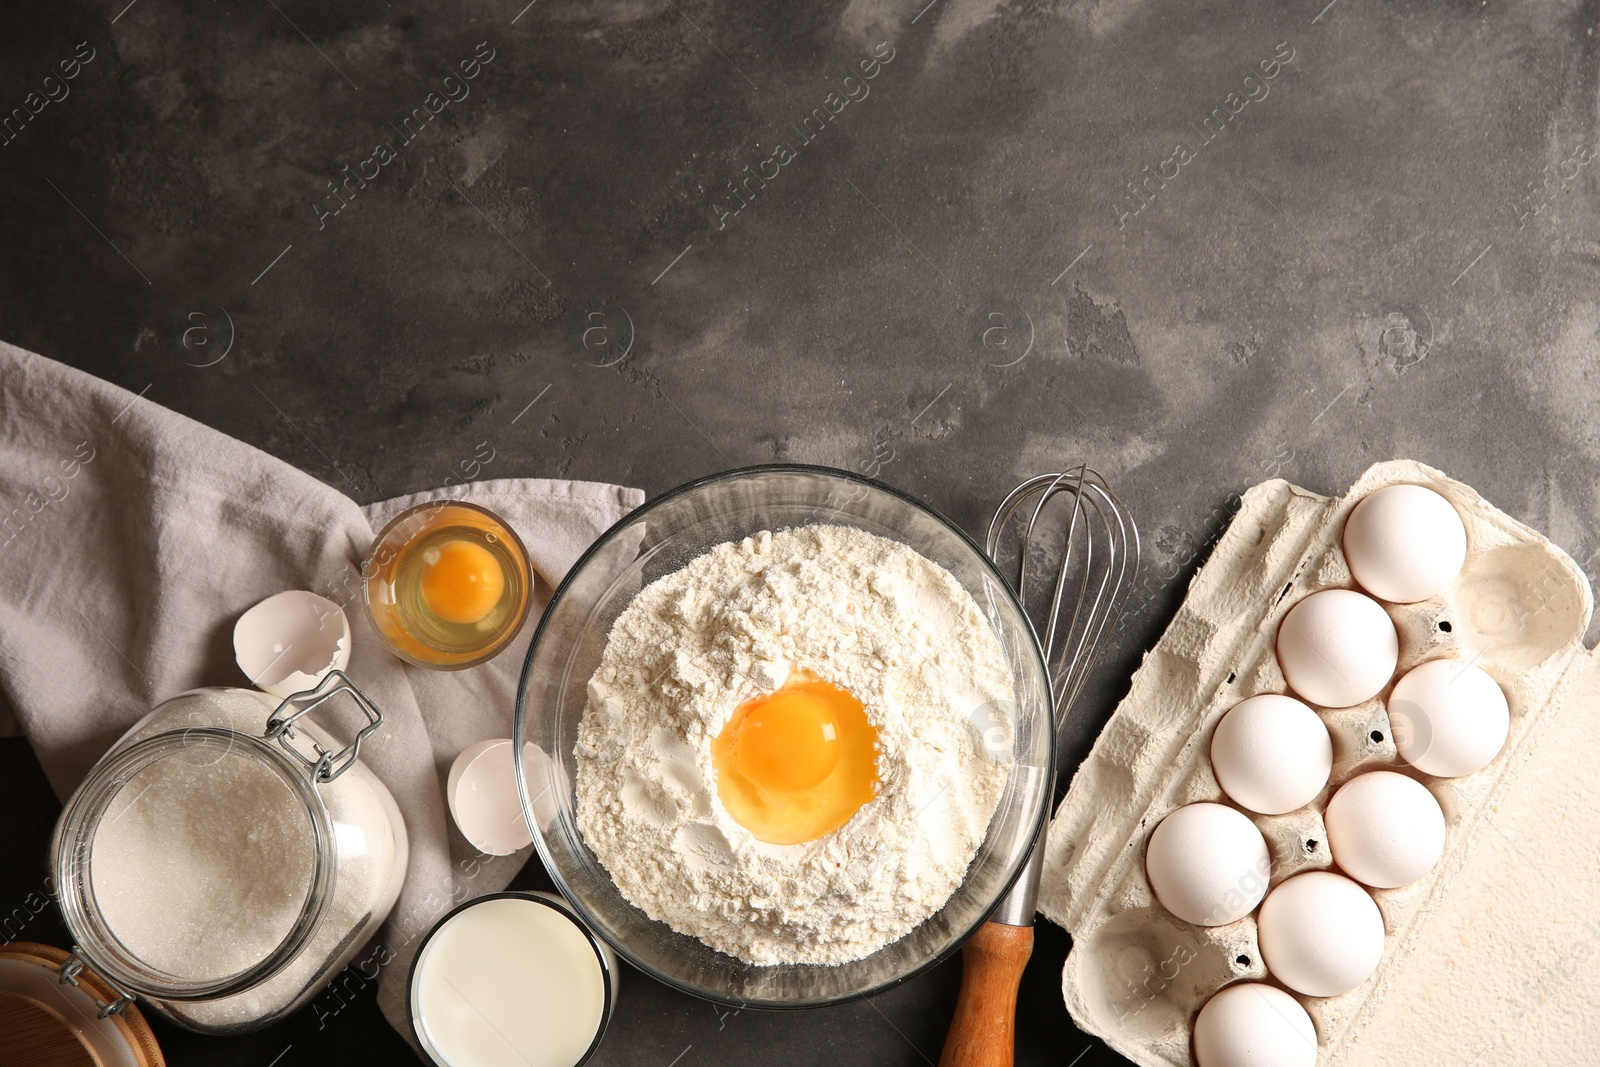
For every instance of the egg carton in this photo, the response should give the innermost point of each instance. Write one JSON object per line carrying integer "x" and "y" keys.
{"x": 1497, "y": 949}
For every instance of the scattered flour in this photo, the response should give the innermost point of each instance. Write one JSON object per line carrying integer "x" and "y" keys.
{"x": 861, "y": 611}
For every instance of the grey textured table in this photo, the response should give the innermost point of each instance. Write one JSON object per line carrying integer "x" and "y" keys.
{"x": 947, "y": 245}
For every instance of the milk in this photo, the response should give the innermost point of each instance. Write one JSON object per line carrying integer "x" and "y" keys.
{"x": 509, "y": 982}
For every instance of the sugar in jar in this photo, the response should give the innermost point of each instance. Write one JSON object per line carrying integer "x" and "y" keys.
{"x": 227, "y": 858}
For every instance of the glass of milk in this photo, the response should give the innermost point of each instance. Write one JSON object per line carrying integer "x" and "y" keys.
{"x": 512, "y": 980}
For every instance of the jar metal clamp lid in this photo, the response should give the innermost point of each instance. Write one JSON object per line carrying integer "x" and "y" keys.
{"x": 327, "y": 765}
{"x": 176, "y": 773}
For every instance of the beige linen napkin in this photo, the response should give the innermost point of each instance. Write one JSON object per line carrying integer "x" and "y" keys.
{"x": 132, "y": 538}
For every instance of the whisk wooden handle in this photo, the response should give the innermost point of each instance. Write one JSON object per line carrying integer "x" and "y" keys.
{"x": 983, "y": 1028}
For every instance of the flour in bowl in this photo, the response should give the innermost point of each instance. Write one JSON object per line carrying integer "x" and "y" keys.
{"x": 735, "y": 649}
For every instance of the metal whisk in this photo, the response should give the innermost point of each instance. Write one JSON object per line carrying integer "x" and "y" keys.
{"x": 1098, "y": 518}
{"x": 1095, "y": 570}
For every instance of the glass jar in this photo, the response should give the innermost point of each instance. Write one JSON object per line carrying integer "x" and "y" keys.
{"x": 227, "y": 858}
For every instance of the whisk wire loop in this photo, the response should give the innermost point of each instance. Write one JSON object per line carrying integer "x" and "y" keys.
{"x": 1096, "y": 568}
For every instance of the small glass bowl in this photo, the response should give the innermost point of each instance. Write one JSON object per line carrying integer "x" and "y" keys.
{"x": 381, "y": 569}
{"x": 663, "y": 536}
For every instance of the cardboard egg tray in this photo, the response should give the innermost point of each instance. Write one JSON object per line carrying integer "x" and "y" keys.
{"x": 1492, "y": 957}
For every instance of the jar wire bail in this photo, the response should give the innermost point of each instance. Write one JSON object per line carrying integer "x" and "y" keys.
{"x": 325, "y": 765}
{"x": 74, "y": 965}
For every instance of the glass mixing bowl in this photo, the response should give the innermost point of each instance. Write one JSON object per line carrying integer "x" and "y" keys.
{"x": 658, "y": 539}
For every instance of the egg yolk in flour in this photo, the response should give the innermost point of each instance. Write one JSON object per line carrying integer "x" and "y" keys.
{"x": 461, "y": 581}
{"x": 794, "y": 764}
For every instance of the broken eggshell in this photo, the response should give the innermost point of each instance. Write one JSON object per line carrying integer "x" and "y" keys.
{"x": 484, "y": 802}
{"x": 290, "y": 641}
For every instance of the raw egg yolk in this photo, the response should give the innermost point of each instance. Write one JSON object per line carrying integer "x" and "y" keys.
{"x": 461, "y": 581}
{"x": 793, "y": 765}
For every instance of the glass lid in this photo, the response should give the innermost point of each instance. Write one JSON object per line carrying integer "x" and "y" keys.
{"x": 194, "y": 863}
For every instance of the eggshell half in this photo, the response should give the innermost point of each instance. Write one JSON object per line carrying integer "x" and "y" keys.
{"x": 483, "y": 799}
{"x": 290, "y": 641}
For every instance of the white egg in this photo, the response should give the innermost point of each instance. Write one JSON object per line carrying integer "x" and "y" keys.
{"x": 1384, "y": 829}
{"x": 1448, "y": 718}
{"x": 1253, "y": 1025}
{"x": 1271, "y": 754}
{"x": 1404, "y": 543}
{"x": 1320, "y": 934}
{"x": 1208, "y": 864}
{"x": 1337, "y": 648}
